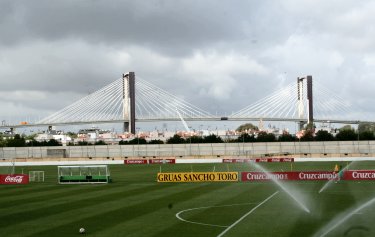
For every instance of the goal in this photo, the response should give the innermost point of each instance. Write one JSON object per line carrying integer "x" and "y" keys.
{"x": 36, "y": 176}
{"x": 83, "y": 174}
{"x": 7, "y": 166}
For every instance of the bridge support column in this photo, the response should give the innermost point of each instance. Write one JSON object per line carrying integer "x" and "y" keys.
{"x": 300, "y": 104}
{"x": 310, "y": 99}
{"x": 129, "y": 102}
{"x": 310, "y": 109}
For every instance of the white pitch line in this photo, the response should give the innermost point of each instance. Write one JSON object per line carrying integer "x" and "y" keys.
{"x": 197, "y": 208}
{"x": 244, "y": 216}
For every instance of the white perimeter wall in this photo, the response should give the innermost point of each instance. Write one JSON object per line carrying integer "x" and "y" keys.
{"x": 303, "y": 149}
{"x": 178, "y": 161}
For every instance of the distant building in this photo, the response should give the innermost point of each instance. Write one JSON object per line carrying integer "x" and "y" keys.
{"x": 53, "y": 134}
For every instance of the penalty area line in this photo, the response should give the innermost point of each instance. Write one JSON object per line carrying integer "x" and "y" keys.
{"x": 244, "y": 216}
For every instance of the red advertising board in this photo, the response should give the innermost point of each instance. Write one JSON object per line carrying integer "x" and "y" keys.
{"x": 237, "y": 160}
{"x": 135, "y": 162}
{"x": 310, "y": 175}
{"x": 359, "y": 175}
{"x": 275, "y": 160}
{"x": 162, "y": 161}
{"x": 14, "y": 179}
{"x": 258, "y": 160}
{"x": 151, "y": 161}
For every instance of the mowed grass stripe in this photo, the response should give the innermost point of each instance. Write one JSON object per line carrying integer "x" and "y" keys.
{"x": 83, "y": 211}
{"x": 156, "y": 222}
{"x": 274, "y": 218}
{"x": 68, "y": 212}
{"x": 78, "y": 201}
{"x": 234, "y": 193}
{"x": 53, "y": 199}
{"x": 22, "y": 189}
{"x": 17, "y": 192}
{"x": 221, "y": 212}
{"x": 106, "y": 219}
{"x": 281, "y": 217}
{"x": 57, "y": 192}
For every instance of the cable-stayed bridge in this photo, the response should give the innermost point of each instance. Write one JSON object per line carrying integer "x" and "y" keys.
{"x": 127, "y": 100}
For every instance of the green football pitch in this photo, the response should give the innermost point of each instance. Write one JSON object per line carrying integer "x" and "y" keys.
{"x": 134, "y": 204}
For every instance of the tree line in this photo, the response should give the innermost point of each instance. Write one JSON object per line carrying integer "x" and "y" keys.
{"x": 322, "y": 135}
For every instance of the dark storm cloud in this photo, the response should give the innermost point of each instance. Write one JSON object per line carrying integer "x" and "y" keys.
{"x": 171, "y": 26}
{"x": 218, "y": 55}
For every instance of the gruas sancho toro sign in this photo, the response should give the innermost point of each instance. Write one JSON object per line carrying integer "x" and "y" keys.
{"x": 14, "y": 179}
{"x": 198, "y": 177}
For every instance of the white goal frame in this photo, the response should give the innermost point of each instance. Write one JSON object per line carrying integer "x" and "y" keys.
{"x": 7, "y": 165}
{"x": 36, "y": 176}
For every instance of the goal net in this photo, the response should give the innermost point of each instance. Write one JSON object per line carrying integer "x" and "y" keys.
{"x": 84, "y": 174}
{"x": 7, "y": 166}
{"x": 36, "y": 176}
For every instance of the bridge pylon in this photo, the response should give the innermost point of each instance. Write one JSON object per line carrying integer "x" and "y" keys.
{"x": 128, "y": 101}
{"x": 310, "y": 108}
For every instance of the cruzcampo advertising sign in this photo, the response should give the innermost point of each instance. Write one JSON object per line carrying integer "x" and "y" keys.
{"x": 198, "y": 177}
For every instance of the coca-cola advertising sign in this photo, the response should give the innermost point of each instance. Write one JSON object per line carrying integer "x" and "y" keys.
{"x": 309, "y": 175}
{"x": 14, "y": 179}
{"x": 359, "y": 175}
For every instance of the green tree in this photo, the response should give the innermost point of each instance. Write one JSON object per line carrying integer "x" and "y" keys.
{"x": 247, "y": 126}
{"x": 366, "y": 135}
{"x": 3, "y": 142}
{"x": 176, "y": 139}
{"x": 366, "y": 127}
{"x": 323, "y": 135}
{"x": 17, "y": 141}
{"x": 31, "y": 136}
{"x": 286, "y": 137}
{"x": 137, "y": 141}
{"x": 212, "y": 139}
{"x": 194, "y": 139}
{"x": 347, "y": 135}
{"x": 245, "y": 137}
{"x": 265, "y": 137}
{"x": 308, "y": 135}
{"x": 53, "y": 142}
{"x": 158, "y": 141}
{"x": 72, "y": 134}
{"x": 33, "y": 143}
{"x": 84, "y": 143}
{"x": 100, "y": 143}
{"x": 122, "y": 142}
{"x": 346, "y": 127}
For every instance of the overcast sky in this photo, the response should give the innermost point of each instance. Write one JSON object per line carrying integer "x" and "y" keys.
{"x": 218, "y": 55}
